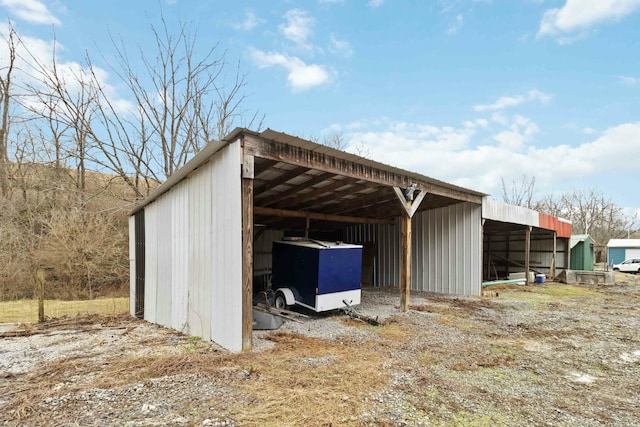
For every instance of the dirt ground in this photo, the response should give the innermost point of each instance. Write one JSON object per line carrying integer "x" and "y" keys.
{"x": 539, "y": 355}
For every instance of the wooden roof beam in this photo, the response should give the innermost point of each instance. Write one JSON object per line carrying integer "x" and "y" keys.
{"x": 258, "y": 210}
{"x": 274, "y": 150}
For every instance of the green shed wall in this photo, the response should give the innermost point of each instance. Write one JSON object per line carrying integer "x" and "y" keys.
{"x": 582, "y": 256}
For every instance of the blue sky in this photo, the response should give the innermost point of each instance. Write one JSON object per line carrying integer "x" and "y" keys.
{"x": 467, "y": 91}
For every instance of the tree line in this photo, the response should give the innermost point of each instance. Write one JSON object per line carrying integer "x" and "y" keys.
{"x": 589, "y": 210}
{"x": 79, "y": 144}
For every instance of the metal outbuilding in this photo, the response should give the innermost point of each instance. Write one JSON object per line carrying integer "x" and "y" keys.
{"x": 582, "y": 252}
{"x": 619, "y": 250}
{"x": 517, "y": 239}
{"x": 198, "y": 239}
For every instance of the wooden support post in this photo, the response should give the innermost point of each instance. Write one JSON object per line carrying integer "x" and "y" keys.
{"x": 527, "y": 253}
{"x": 40, "y": 291}
{"x": 508, "y": 256}
{"x": 405, "y": 273}
{"x": 552, "y": 270}
{"x": 247, "y": 254}
{"x": 306, "y": 228}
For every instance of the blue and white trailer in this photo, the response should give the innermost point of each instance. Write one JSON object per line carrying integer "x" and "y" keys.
{"x": 315, "y": 274}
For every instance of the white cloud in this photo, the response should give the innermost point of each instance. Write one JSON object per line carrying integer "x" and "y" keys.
{"x": 456, "y": 25}
{"x": 340, "y": 47}
{"x": 518, "y": 133}
{"x": 301, "y": 76}
{"x": 512, "y": 101}
{"x": 34, "y": 61}
{"x": 298, "y": 27}
{"x": 449, "y": 153}
{"x": 582, "y": 15}
{"x": 33, "y": 11}
{"x": 375, "y": 3}
{"x": 629, "y": 81}
{"x": 330, "y": 1}
{"x": 251, "y": 20}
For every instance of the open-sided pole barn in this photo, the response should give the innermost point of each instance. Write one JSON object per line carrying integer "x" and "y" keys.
{"x": 192, "y": 240}
{"x": 517, "y": 239}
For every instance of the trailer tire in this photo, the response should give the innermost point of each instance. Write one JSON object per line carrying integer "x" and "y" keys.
{"x": 280, "y": 302}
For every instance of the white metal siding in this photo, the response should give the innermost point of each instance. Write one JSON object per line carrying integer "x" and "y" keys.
{"x": 151, "y": 261}
{"x": 225, "y": 299}
{"x": 386, "y": 271}
{"x": 262, "y": 248}
{"x": 503, "y": 212}
{"x": 200, "y": 258}
{"x": 179, "y": 197}
{"x": 193, "y": 250}
{"x": 632, "y": 253}
{"x": 132, "y": 265}
{"x": 447, "y": 250}
{"x": 164, "y": 243}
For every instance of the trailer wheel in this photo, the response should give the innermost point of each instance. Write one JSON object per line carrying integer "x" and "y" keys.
{"x": 280, "y": 302}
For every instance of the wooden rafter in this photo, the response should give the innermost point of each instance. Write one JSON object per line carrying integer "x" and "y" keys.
{"x": 274, "y": 150}
{"x": 258, "y": 210}
{"x": 293, "y": 192}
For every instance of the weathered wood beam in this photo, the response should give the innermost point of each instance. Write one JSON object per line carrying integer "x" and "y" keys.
{"x": 316, "y": 192}
{"x": 377, "y": 208}
{"x": 410, "y": 207}
{"x": 247, "y": 254}
{"x": 315, "y": 179}
{"x": 527, "y": 253}
{"x": 264, "y": 166}
{"x": 337, "y": 195}
{"x": 259, "y": 210}
{"x": 405, "y": 272}
{"x": 282, "y": 179}
{"x": 273, "y": 150}
{"x": 552, "y": 270}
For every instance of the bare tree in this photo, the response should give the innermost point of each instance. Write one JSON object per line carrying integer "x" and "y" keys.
{"x": 591, "y": 212}
{"x": 5, "y": 99}
{"x": 519, "y": 193}
{"x": 175, "y": 105}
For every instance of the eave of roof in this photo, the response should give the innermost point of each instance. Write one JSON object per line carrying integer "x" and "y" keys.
{"x": 214, "y": 146}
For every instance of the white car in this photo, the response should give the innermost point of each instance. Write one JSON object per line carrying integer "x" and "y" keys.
{"x": 628, "y": 266}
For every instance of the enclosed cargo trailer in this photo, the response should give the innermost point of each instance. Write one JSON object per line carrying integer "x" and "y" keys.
{"x": 316, "y": 275}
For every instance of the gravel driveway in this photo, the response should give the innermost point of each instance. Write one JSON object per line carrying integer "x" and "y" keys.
{"x": 540, "y": 355}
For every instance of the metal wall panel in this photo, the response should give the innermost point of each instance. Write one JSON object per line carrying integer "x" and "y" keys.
{"x": 225, "y": 297}
{"x": 386, "y": 271}
{"x": 200, "y": 257}
{"x": 151, "y": 261}
{"x": 447, "y": 250}
{"x": 503, "y": 212}
{"x": 132, "y": 265}
{"x": 164, "y": 264}
{"x": 179, "y": 197}
{"x": 262, "y": 247}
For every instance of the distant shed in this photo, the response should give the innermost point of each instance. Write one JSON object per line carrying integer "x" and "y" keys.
{"x": 619, "y": 250}
{"x": 582, "y": 252}
{"x": 517, "y": 239}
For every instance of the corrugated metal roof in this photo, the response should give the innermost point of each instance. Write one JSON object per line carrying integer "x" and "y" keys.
{"x": 577, "y": 238}
{"x": 624, "y": 243}
{"x": 214, "y": 146}
{"x": 503, "y": 212}
{"x": 500, "y": 211}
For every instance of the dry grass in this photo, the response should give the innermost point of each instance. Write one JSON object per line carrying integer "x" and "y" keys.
{"x": 301, "y": 381}
{"x": 26, "y": 311}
